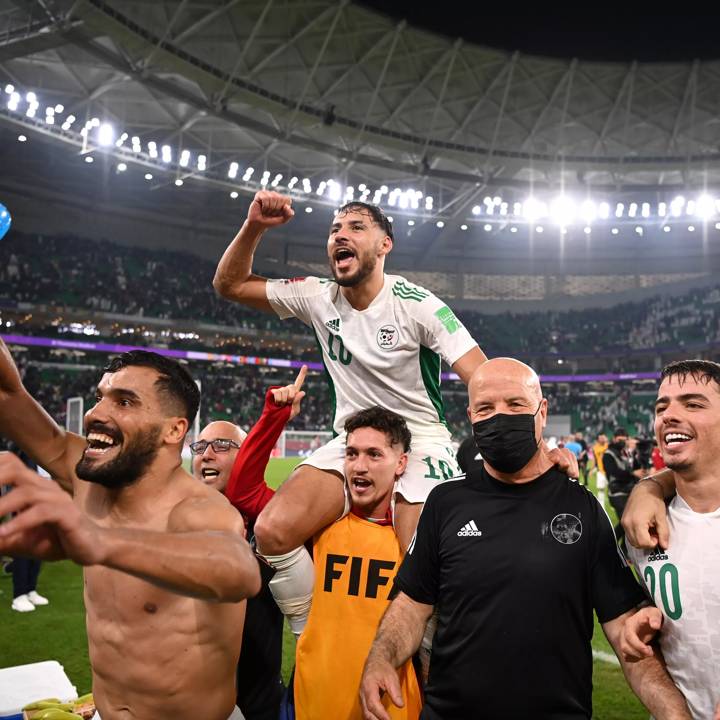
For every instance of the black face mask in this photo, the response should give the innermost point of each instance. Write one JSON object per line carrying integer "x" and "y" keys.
{"x": 507, "y": 441}
{"x": 619, "y": 444}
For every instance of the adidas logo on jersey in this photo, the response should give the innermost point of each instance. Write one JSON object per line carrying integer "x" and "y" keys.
{"x": 470, "y": 530}
{"x": 333, "y": 325}
{"x": 657, "y": 555}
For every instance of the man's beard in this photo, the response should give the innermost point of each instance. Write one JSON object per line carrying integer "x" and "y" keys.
{"x": 678, "y": 466}
{"x": 129, "y": 464}
{"x": 367, "y": 265}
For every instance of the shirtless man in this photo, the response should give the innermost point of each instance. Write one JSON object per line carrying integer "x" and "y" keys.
{"x": 166, "y": 565}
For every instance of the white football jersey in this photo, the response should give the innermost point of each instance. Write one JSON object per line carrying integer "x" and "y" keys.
{"x": 388, "y": 354}
{"x": 684, "y": 582}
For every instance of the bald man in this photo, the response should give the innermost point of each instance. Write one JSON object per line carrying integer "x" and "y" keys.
{"x": 232, "y": 462}
{"x": 514, "y": 557}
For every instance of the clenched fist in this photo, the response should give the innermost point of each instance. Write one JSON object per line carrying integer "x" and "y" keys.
{"x": 269, "y": 209}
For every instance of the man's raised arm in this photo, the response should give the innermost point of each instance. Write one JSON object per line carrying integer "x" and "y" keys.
{"x": 233, "y": 278}
{"x": 26, "y": 423}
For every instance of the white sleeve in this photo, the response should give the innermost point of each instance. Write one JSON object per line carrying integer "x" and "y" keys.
{"x": 441, "y": 331}
{"x": 294, "y": 298}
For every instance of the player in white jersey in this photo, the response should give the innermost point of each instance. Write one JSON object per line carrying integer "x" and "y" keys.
{"x": 382, "y": 339}
{"x": 683, "y": 579}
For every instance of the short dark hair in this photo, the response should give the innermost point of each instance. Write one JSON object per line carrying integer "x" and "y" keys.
{"x": 699, "y": 370}
{"x": 620, "y": 432}
{"x": 175, "y": 382}
{"x": 383, "y": 420}
{"x": 376, "y": 213}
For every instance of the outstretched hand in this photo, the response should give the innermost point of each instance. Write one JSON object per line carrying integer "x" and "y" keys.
{"x": 47, "y": 523}
{"x": 291, "y": 394}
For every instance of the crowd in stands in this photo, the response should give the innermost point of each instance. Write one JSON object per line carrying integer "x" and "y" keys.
{"x": 106, "y": 277}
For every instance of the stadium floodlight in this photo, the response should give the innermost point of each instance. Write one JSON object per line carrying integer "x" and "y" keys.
{"x": 392, "y": 200}
{"x": 184, "y": 158}
{"x": 179, "y": 182}
{"x": 614, "y": 231}
{"x": 476, "y": 210}
{"x": 390, "y": 218}
{"x": 308, "y": 209}
{"x": 717, "y": 226}
{"x": 362, "y": 187}
{"x": 604, "y": 210}
{"x": 463, "y": 227}
{"x": 152, "y": 149}
{"x": 89, "y": 159}
{"x": 248, "y": 174}
{"x": 429, "y": 202}
{"x": 31, "y": 97}
{"x": 533, "y": 209}
{"x": 166, "y": 154}
{"x": 276, "y": 180}
{"x": 539, "y": 229}
{"x": 321, "y": 188}
{"x": 22, "y": 138}
{"x": 95, "y": 122}
{"x": 148, "y": 176}
{"x": 49, "y": 110}
{"x": 202, "y": 163}
{"x": 513, "y": 229}
{"x": 233, "y": 170}
{"x": 106, "y": 135}
{"x": 122, "y": 167}
{"x": 404, "y": 201}
{"x": 334, "y": 193}
{"x": 517, "y": 209}
{"x": 9, "y": 89}
{"x": 497, "y": 200}
{"x": 705, "y": 207}
{"x": 662, "y": 209}
{"x": 503, "y": 208}
{"x": 563, "y": 231}
{"x": 307, "y": 187}
{"x": 440, "y": 224}
{"x": 59, "y": 108}
{"x": 384, "y": 190}
{"x": 639, "y": 230}
{"x": 645, "y": 210}
{"x": 666, "y": 228}
{"x": 690, "y": 207}
{"x": 135, "y": 140}
{"x": 691, "y": 228}
{"x": 619, "y": 210}
{"x": 487, "y": 227}
{"x": 293, "y": 182}
{"x": 234, "y": 194}
{"x": 587, "y": 229}
{"x": 677, "y": 205}
{"x": 265, "y": 178}
{"x": 588, "y": 211}
{"x": 30, "y": 112}
{"x": 13, "y": 101}
{"x": 121, "y": 140}
{"x": 632, "y": 210}
{"x": 349, "y": 193}
{"x": 49, "y": 119}
{"x": 562, "y": 210}
{"x": 411, "y": 223}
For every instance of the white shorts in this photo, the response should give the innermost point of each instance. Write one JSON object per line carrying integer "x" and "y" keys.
{"x": 429, "y": 462}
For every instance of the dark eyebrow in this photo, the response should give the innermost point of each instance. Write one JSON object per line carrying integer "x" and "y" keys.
{"x": 121, "y": 392}
{"x": 683, "y": 398}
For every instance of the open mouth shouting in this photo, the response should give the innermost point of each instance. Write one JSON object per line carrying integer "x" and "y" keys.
{"x": 360, "y": 485}
{"x": 343, "y": 258}
{"x": 674, "y": 439}
{"x": 101, "y": 441}
{"x": 209, "y": 475}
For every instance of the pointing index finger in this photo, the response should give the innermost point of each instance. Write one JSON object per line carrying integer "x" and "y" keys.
{"x": 300, "y": 379}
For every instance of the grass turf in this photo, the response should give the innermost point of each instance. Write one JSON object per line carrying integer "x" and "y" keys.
{"x": 57, "y": 632}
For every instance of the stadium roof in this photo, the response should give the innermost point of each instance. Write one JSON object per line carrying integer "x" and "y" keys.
{"x": 321, "y": 89}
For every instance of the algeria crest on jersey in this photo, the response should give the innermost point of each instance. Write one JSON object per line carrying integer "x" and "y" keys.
{"x": 388, "y": 337}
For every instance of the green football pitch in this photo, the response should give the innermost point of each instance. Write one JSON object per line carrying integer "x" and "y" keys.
{"x": 57, "y": 632}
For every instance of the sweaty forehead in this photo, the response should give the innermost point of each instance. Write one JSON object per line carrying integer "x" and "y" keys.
{"x": 141, "y": 380}
{"x": 350, "y": 216}
{"x": 368, "y": 437}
